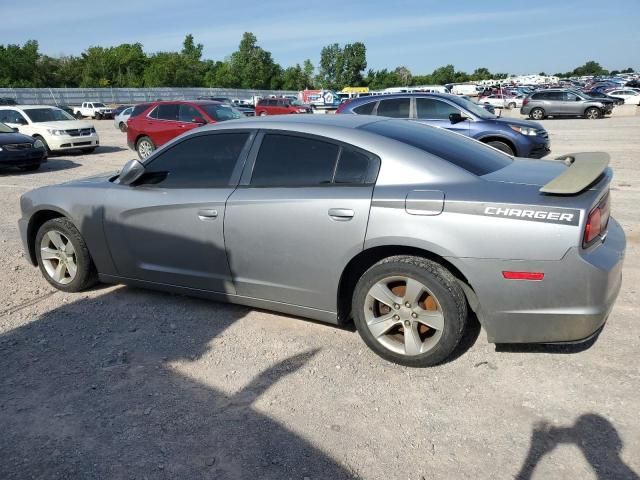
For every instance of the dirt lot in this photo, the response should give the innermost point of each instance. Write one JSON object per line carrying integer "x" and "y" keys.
{"x": 120, "y": 383}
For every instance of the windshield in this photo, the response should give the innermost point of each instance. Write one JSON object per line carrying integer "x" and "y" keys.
{"x": 477, "y": 110}
{"x": 296, "y": 103}
{"x": 37, "y": 115}
{"x": 98, "y": 105}
{"x": 5, "y": 129}
{"x": 221, "y": 112}
{"x": 466, "y": 153}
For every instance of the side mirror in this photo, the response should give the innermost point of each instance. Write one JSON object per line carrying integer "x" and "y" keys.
{"x": 131, "y": 172}
{"x": 199, "y": 120}
{"x": 456, "y": 118}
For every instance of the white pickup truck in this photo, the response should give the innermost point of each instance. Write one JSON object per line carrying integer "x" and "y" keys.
{"x": 95, "y": 110}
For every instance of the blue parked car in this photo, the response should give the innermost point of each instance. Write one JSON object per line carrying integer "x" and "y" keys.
{"x": 521, "y": 138}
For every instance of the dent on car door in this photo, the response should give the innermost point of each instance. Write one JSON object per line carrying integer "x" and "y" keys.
{"x": 298, "y": 217}
{"x": 168, "y": 227}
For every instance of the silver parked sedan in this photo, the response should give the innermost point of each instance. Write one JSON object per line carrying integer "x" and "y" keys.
{"x": 120, "y": 119}
{"x": 395, "y": 225}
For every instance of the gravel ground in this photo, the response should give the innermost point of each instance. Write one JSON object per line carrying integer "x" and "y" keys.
{"x": 121, "y": 383}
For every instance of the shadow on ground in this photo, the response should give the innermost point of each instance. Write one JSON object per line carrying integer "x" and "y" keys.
{"x": 593, "y": 434}
{"x": 51, "y": 165}
{"x": 87, "y": 391}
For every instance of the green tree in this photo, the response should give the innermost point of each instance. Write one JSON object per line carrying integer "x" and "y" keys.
{"x": 331, "y": 66}
{"x": 252, "y": 65}
{"x": 481, "y": 73}
{"x": 442, "y": 75}
{"x": 307, "y": 70}
{"x": 354, "y": 63}
{"x": 590, "y": 68}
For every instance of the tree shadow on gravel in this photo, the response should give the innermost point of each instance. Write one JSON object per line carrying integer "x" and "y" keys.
{"x": 593, "y": 434}
{"x": 87, "y": 391}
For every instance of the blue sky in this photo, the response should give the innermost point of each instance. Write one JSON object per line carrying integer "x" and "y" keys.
{"x": 510, "y": 36}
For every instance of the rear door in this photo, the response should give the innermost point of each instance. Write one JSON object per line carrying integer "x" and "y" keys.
{"x": 168, "y": 227}
{"x": 298, "y": 217}
{"x": 162, "y": 123}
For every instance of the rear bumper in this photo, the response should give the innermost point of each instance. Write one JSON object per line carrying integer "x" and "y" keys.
{"x": 569, "y": 305}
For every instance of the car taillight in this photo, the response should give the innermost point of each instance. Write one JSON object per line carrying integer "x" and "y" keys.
{"x": 597, "y": 222}
{"x": 525, "y": 102}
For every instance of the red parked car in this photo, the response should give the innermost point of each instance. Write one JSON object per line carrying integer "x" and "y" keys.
{"x": 280, "y": 106}
{"x": 154, "y": 124}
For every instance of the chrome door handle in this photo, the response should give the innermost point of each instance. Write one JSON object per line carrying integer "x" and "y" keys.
{"x": 207, "y": 214}
{"x": 341, "y": 214}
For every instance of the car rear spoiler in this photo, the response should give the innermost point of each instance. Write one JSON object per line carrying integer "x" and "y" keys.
{"x": 584, "y": 169}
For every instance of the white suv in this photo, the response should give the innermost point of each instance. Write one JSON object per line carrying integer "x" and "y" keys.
{"x": 56, "y": 128}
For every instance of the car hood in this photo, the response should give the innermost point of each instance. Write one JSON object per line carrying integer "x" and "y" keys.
{"x": 8, "y": 138}
{"x": 516, "y": 121}
{"x": 64, "y": 124}
{"x": 524, "y": 171}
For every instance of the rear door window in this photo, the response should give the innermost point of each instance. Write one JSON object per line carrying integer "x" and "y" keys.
{"x": 292, "y": 161}
{"x": 186, "y": 113}
{"x": 366, "y": 109}
{"x": 355, "y": 167}
{"x": 395, "y": 107}
{"x": 167, "y": 112}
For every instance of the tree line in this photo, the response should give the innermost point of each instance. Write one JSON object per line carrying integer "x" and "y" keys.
{"x": 250, "y": 66}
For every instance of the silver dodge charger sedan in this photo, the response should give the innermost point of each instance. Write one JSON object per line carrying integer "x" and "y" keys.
{"x": 399, "y": 227}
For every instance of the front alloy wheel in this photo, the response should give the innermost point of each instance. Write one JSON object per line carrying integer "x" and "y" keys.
{"x": 58, "y": 257}
{"x": 63, "y": 256}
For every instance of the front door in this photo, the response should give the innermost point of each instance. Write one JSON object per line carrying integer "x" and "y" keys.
{"x": 168, "y": 227}
{"x": 435, "y": 112}
{"x": 297, "y": 221}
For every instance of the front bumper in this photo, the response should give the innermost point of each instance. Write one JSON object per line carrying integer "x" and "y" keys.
{"x": 570, "y": 304}
{"x": 22, "y": 158}
{"x": 68, "y": 142}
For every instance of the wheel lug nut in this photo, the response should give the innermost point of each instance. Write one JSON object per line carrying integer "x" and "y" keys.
{"x": 414, "y": 315}
{"x": 396, "y": 306}
{"x": 396, "y": 317}
{"x": 407, "y": 323}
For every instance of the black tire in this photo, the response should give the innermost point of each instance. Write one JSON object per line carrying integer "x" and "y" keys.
{"x": 78, "y": 116}
{"x": 89, "y": 150}
{"x": 30, "y": 168}
{"x": 98, "y": 116}
{"x": 503, "y": 147}
{"x": 86, "y": 275}
{"x": 46, "y": 145}
{"x": 511, "y": 105}
{"x": 592, "y": 113}
{"x": 140, "y": 143}
{"x": 437, "y": 280}
{"x": 122, "y": 127}
{"x": 537, "y": 114}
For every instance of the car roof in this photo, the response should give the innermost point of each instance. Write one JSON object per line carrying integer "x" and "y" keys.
{"x": 184, "y": 102}
{"x": 27, "y": 107}
{"x": 375, "y": 98}
{"x": 294, "y": 122}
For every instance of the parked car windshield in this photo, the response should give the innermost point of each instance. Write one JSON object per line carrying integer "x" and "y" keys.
{"x": 37, "y": 115}
{"x": 477, "y": 110}
{"x": 221, "y": 112}
{"x": 472, "y": 155}
{"x": 5, "y": 129}
{"x": 296, "y": 103}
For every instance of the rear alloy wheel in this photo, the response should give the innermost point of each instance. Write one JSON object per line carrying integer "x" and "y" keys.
{"x": 592, "y": 113}
{"x": 537, "y": 114}
{"x": 145, "y": 147}
{"x": 122, "y": 127}
{"x": 503, "y": 147}
{"x": 263, "y": 114}
{"x": 511, "y": 105}
{"x": 410, "y": 310}
{"x": 63, "y": 256}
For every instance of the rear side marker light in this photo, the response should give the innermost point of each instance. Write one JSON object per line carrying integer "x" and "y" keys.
{"x": 536, "y": 276}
